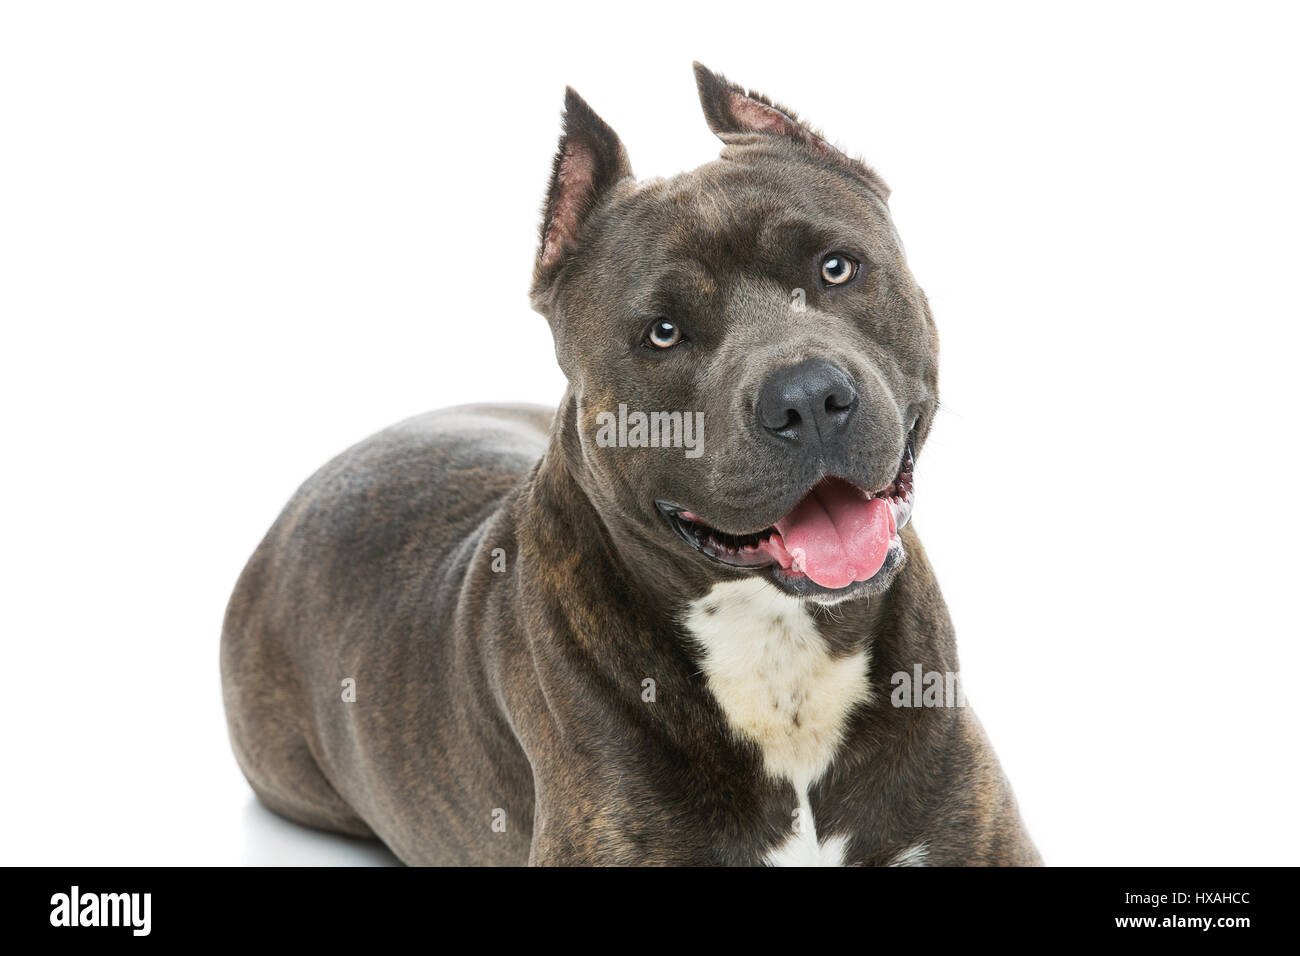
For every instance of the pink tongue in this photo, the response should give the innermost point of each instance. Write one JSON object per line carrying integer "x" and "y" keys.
{"x": 837, "y": 536}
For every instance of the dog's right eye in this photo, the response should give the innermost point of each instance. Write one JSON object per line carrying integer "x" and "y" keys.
{"x": 663, "y": 334}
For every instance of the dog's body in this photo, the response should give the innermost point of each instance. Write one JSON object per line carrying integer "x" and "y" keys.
{"x": 484, "y": 636}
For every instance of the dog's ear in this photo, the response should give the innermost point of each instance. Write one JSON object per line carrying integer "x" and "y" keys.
{"x": 588, "y": 163}
{"x": 735, "y": 114}
{"x": 730, "y": 110}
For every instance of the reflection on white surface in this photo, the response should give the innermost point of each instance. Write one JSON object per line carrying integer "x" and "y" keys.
{"x": 271, "y": 840}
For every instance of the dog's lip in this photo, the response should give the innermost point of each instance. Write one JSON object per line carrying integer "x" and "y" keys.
{"x": 675, "y": 510}
{"x": 671, "y": 509}
{"x": 759, "y": 550}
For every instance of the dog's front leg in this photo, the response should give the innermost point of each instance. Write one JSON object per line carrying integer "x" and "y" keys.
{"x": 591, "y": 820}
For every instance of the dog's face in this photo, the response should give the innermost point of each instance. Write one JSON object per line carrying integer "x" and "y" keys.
{"x": 752, "y": 365}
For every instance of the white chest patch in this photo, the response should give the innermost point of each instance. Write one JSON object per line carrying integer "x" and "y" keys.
{"x": 777, "y": 683}
{"x": 803, "y": 847}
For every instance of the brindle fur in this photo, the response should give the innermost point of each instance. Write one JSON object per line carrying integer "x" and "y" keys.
{"x": 482, "y": 691}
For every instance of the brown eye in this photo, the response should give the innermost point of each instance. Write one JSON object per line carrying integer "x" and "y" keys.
{"x": 838, "y": 269}
{"x": 663, "y": 334}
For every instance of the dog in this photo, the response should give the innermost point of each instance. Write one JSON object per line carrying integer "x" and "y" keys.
{"x": 677, "y": 621}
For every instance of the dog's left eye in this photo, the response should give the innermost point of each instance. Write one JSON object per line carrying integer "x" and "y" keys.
{"x": 663, "y": 334}
{"x": 837, "y": 269}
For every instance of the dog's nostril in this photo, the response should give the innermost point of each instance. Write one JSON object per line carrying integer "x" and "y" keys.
{"x": 839, "y": 403}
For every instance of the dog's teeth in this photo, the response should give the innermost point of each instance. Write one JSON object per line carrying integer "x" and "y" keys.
{"x": 902, "y": 511}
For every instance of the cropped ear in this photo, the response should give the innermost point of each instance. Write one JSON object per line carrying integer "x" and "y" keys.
{"x": 588, "y": 163}
{"x": 733, "y": 113}
{"x": 729, "y": 109}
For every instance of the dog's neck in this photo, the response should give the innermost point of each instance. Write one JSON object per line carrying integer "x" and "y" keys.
{"x": 574, "y": 515}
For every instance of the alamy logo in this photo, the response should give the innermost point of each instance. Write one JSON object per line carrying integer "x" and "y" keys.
{"x": 102, "y": 909}
{"x": 651, "y": 430}
{"x": 927, "y": 689}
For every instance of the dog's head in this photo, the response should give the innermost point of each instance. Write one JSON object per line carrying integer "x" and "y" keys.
{"x": 752, "y": 367}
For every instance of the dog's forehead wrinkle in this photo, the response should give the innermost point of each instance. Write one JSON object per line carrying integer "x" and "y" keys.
{"x": 711, "y": 199}
{"x": 730, "y": 217}
{"x": 716, "y": 191}
{"x": 648, "y": 286}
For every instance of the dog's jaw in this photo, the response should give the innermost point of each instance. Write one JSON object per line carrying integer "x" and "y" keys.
{"x": 775, "y": 553}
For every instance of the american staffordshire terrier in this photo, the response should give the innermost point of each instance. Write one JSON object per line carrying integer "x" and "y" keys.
{"x": 676, "y": 621}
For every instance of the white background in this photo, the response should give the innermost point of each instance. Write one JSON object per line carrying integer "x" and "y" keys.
{"x": 237, "y": 237}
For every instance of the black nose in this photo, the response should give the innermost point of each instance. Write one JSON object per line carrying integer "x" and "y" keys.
{"x": 810, "y": 402}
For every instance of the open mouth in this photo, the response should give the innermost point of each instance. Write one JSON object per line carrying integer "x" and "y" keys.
{"x": 837, "y": 535}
